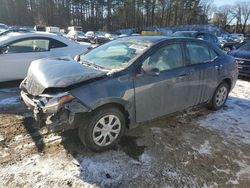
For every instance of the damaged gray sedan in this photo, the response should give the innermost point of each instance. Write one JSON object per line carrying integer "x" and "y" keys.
{"x": 126, "y": 82}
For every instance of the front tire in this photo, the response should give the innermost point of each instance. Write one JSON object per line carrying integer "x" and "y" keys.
{"x": 103, "y": 129}
{"x": 220, "y": 96}
{"x": 226, "y": 49}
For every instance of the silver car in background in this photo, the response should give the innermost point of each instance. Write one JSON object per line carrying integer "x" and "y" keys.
{"x": 18, "y": 50}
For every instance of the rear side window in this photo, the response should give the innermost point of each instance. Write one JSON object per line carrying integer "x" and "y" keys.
{"x": 199, "y": 53}
{"x": 27, "y": 46}
{"x": 56, "y": 44}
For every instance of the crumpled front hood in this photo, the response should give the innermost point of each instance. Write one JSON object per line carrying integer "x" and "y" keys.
{"x": 57, "y": 73}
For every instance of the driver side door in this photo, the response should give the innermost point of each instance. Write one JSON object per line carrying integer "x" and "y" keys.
{"x": 165, "y": 93}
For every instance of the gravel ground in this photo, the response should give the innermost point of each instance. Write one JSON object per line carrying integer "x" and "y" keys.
{"x": 197, "y": 148}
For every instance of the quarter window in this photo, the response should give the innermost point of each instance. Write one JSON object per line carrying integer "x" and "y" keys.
{"x": 199, "y": 53}
{"x": 56, "y": 44}
{"x": 166, "y": 58}
{"x": 26, "y": 46}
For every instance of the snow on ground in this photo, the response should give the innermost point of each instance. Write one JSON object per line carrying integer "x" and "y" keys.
{"x": 30, "y": 172}
{"x": 233, "y": 120}
{"x": 200, "y": 148}
{"x": 204, "y": 148}
{"x": 9, "y": 97}
{"x": 10, "y": 101}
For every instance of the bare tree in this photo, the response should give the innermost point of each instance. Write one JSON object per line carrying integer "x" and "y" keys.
{"x": 245, "y": 11}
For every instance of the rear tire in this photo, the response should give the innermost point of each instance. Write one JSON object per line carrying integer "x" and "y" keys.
{"x": 220, "y": 96}
{"x": 102, "y": 129}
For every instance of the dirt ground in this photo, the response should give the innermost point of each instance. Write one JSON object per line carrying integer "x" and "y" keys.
{"x": 197, "y": 148}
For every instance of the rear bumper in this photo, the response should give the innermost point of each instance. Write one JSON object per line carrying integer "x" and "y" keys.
{"x": 243, "y": 67}
{"x": 244, "y": 70}
{"x": 56, "y": 118}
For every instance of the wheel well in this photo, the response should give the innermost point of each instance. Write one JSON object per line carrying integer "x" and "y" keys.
{"x": 120, "y": 107}
{"x": 229, "y": 82}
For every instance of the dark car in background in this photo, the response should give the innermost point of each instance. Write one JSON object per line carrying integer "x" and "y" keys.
{"x": 96, "y": 37}
{"x": 125, "y": 82}
{"x": 242, "y": 56}
{"x": 197, "y": 34}
{"x": 227, "y": 44}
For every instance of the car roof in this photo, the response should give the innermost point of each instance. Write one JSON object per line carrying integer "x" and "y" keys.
{"x": 13, "y": 36}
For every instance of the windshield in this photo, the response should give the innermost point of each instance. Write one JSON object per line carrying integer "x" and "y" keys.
{"x": 245, "y": 47}
{"x": 115, "y": 54}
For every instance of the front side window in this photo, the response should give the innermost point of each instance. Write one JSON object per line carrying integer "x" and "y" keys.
{"x": 116, "y": 54}
{"x": 26, "y": 46}
{"x": 199, "y": 53}
{"x": 166, "y": 58}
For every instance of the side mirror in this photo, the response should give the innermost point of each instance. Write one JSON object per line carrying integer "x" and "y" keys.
{"x": 77, "y": 58}
{"x": 150, "y": 71}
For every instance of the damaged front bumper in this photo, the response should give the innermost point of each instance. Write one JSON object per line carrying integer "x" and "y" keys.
{"x": 59, "y": 111}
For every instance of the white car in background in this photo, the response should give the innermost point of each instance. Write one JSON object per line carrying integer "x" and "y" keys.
{"x": 78, "y": 36}
{"x": 18, "y": 50}
{"x": 3, "y": 27}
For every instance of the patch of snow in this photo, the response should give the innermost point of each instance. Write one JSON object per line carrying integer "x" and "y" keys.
{"x": 204, "y": 148}
{"x": 52, "y": 139}
{"x": 156, "y": 130}
{"x": 233, "y": 120}
{"x": 31, "y": 160}
{"x": 244, "y": 170}
{"x": 9, "y": 90}
{"x": 38, "y": 171}
{"x": 1, "y": 138}
{"x": 226, "y": 171}
{"x": 10, "y": 101}
{"x": 234, "y": 182}
{"x": 24, "y": 115}
{"x": 242, "y": 174}
{"x": 107, "y": 169}
{"x": 4, "y": 153}
{"x": 18, "y": 137}
{"x": 145, "y": 158}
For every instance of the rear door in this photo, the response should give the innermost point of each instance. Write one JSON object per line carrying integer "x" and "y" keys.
{"x": 165, "y": 93}
{"x": 16, "y": 57}
{"x": 204, "y": 69}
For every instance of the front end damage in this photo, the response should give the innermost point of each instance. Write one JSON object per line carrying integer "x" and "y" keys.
{"x": 58, "y": 112}
{"x": 45, "y": 91}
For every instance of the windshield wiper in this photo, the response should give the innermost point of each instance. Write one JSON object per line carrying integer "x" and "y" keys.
{"x": 92, "y": 65}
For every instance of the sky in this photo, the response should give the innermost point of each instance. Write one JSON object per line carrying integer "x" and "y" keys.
{"x": 224, "y": 2}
